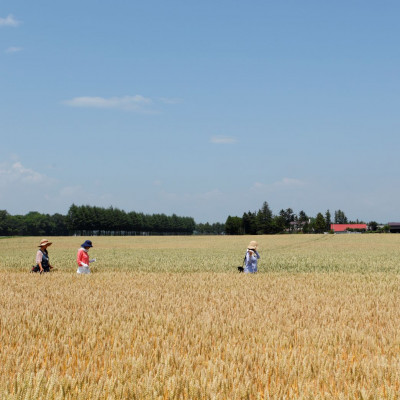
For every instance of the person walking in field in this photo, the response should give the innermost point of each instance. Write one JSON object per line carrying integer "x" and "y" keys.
{"x": 42, "y": 258}
{"x": 82, "y": 258}
{"x": 251, "y": 258}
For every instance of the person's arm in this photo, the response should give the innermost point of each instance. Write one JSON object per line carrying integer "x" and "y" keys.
{"x": 249, "y": 256}
{"x": 39, "y": 258}
{"x": 258, "y": 256}
{"x": 252, "y": 253}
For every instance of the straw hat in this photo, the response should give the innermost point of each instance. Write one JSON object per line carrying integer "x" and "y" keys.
{"x": 44, "y": 242}
{"x": 252, "y": 245}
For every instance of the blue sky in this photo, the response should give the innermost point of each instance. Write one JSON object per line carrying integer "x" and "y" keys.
{"x": 203, "y": 109}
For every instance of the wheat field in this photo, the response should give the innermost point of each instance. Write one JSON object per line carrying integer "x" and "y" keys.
{"x": 170, "y": 318}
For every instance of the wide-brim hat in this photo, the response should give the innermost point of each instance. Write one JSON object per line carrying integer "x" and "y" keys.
{"x": 44, "y": 242}
{"x": 87, "y": 243}
{"x": 252, "y": 245}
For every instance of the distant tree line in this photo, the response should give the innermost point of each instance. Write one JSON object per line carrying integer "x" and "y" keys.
{"x": 113, "y": 221}
{"x": 88, "y": 220}
{"x": 216, "y": 228}
{"x": 33, "y": 224}
{"x": 264, "y": 221}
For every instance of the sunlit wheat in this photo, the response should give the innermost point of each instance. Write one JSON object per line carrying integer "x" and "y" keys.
{"x": 170, "y": 318}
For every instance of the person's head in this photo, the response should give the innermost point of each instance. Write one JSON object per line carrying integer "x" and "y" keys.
{"x": 87, "y": 244}
{"x": 44, "y": 244}
{"x": 252, "y": 245}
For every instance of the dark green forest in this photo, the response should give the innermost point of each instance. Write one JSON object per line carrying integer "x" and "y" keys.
{"x": 263, "y": 222}
{"x": 90, "y": 220}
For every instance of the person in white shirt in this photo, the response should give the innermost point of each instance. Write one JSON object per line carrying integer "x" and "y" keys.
{"x": 251, "y": 258}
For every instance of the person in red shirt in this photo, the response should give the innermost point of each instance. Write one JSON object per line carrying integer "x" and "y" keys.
{"x": 82, "y": 258}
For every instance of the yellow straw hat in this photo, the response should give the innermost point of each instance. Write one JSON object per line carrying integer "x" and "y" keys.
{"x": 252, "y": 245}
{"x": 44, "y": 242}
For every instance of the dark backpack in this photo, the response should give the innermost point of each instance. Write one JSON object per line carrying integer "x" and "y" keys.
{"x": 241, "y": 267}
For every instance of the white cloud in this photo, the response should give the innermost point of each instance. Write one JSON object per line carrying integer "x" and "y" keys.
{"x": 222, "y": 139}
{"x": 129, "y": 103}
{"x": 290, "y": 182}
{"x": 13, "y": 50}
{"x": 135, "y": 103}
{"x": 18, "y": 173}
{"x": 9, "y": 21}
{"x": 23, "y": 189}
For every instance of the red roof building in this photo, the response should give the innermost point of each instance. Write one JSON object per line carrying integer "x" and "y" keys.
{"x": 343, "y": 227}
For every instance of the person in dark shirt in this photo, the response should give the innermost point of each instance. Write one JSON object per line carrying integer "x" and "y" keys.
{"x": 42, "y": 258}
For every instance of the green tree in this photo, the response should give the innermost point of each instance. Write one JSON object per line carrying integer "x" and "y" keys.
{"x": 189, "y": 225}
{"x": 306, "y": 227}
{"x": 234, "y": 226}
{"x": 59, "y": 225}
{"x": 320, "y": 223}
{"x": 278, "y": 224}
{"x": 303, "y": 216}
{"x": 36, "y": 224}
{"x": 288, "y": 217}
{"x": 17, "y": 225}
{"x": 373, "y": 226}
{"x": 218, "y": 228}
{"x": 328, "y": 220}
{"x": 72, "y": 218}
{"x": 264, "y": 219}
{"x": 4, "y": 223}
{"x": 250, "y": 223}
{"x": 340, "y": 217}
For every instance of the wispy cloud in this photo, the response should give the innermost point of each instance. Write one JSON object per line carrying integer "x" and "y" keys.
{"x": 128, "y": 103}
{"x": 23, "y": 189}
{"x": 137, "y": 103}
{"x": 223, "y": 139}
{"x": 290, "y": 182}
{"x": 9, "y": 21}
{"x": 12, "y": 50}
{"x": 17, "y": 173}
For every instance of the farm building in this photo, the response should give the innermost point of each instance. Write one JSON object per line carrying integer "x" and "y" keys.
{"x": 297, "y": 226}
{"x": 343, "y": 228}
{"x": 394, "y": 227}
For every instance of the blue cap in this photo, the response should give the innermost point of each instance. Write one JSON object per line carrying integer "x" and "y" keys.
{"x": 87, "y": 243}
